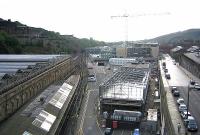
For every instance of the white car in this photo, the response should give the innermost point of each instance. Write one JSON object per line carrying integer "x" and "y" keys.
{"x": 180, "y": 101}
{"x": 184, "y": 114}
{"x": 182, "y": 107}
{"x": 197, "y": 86}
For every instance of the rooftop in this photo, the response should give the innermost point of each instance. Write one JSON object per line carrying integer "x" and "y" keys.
{"x": 152, "y": 115}
{"x": 194, "y": 57}
{"x": 178, "y": 48}
{"x": 125, "y": 91}
{"x": 42, "y": 116}
{"x": 193, "y": 48}
{"x": 128, "y": 84}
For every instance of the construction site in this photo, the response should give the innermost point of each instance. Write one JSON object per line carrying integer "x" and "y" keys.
{"x": 127, "y": 99}
{"x": 123, "y": 96}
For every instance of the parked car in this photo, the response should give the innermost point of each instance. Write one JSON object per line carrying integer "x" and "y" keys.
{"x": 173, "y": 89}
{"x": 176, "y": 93}
{"x": 184, "y": 114}
{"x": 180, "y": 101}
{"x": 164, "y": 64}
{"x": 197, "y": 86}
{"x": 108, "y": 131}
{"x": 108, "y": 68}
{"x": 191, "y": 124}
{"x": 182, "y": 107}
{"x": 165, "y": 70}
{"x": 192, "y": 82}
{"x": 167, "y": 75}
{"x": 136, "y": 131}
{"x": 90, "y": 67}
{"x": 91, "y": 78}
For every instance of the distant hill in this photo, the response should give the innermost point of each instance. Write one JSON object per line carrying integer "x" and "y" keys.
{"x": 191, "y": 35}
{"x": 16, "y": 37}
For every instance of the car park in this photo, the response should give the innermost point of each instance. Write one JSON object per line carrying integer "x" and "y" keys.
{"x": 191, "y": 124}
{"x": 176, "y": 93}
{"x": 180, "y": 101}
{"x": 173, "y": 89}
{"x": 108, "y": 131}
{"x": 184, "y": 114}
{"x": 182, "y": 107}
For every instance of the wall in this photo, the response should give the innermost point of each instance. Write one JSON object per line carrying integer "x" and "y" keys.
{"x": 190, "y": 65}
{"x": 17, "y": 96}
{"x": 165, "y": 115}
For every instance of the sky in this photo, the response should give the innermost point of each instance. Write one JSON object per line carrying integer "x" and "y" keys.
{"x": 92, "y": 18}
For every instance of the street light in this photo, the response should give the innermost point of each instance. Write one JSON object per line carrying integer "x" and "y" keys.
{"x": 189, "y": 86}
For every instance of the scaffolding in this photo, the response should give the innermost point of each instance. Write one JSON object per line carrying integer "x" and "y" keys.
{"x": 127, "y": 87}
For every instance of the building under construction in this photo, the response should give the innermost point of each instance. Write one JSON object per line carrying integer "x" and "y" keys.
{"x": 125, "y": 90}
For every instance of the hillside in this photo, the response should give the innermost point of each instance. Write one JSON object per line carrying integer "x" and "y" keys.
{"x": 191, "y": 35}
{"x": 20, "y": 38}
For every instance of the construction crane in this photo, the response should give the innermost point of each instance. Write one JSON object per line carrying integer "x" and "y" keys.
{"x": 126, "y": 16}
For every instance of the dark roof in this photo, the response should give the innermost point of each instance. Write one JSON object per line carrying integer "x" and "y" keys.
{"x": 193, "y": 56}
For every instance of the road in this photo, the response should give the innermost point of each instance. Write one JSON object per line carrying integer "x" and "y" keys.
{"x": 181, "y": 79}
{"x": 90, "y": 123}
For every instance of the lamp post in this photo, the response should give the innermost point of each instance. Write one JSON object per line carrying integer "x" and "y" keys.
{"x": 188, "y": 98}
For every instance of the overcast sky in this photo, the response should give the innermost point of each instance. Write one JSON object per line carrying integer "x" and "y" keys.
{"x": 92, "y": 18}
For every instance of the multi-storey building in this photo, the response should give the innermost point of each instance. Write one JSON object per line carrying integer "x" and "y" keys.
{"x": 138, "y": 50}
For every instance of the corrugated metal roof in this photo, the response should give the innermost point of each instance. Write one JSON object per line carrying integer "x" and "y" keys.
{"x": 17, "y": 63}
{"x": 13, "y": 67}
{"x": 28, "y": 58}
{"x": 8, "y": 71}
{"x": 122, "y": 61}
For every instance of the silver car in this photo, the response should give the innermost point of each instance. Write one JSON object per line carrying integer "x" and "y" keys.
{"x": 182, "y": 107}
{"x": 180, "y": 101}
